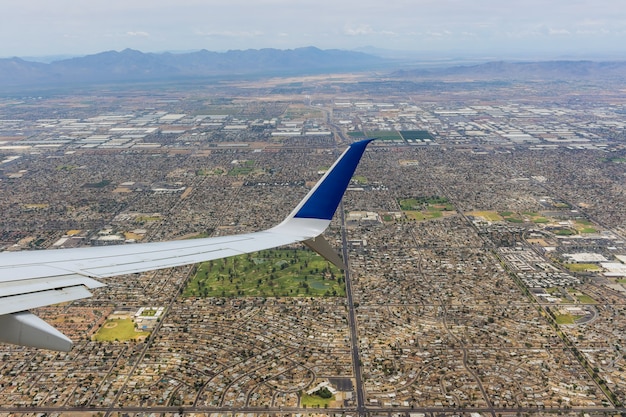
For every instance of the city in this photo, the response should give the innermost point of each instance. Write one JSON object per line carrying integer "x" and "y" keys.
{"x": 484, "y": 233}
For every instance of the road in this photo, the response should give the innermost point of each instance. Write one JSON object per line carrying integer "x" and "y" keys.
{"x": 354, "y": 341}
{"x": 378, "y": 411}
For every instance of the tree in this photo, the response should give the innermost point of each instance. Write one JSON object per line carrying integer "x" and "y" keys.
{"x": 323, "y": 392}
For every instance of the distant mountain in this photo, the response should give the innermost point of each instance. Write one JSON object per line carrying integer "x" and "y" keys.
{"x": 132, "y": 65}
{"x": 524, "y": 71}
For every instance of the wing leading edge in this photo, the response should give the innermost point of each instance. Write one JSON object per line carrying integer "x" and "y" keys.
{"x": 63, "y": 275}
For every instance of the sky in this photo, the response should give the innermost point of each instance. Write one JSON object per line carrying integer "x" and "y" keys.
{"x": 494, "y": 29}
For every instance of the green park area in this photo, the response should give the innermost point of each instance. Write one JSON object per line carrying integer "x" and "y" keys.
{"x": 100, "y": 184}
{"x": 270, "y": 273}
{"x": 540, "y": 220}
{"x": 144, "y": 218}
{"x": 243, "y": 168}
{"x": 416, "y": 135}
{"x": 118, "y": 330}
{"x": 359, "y": 179}
{"x": 585, "y": 226}
{"x": 564, "y": 231}
{"x": 580, "y": 226}
{"x": 356, "y": 179}
{"x": 514, "y": 217}
{"x": 425, "y": 208}
{"x": 423, "y": 215}
{"x": 394, "y": 135}
{"x": 615, "y": 160}
{"x": 582, "y": 267}
{"x": 209, "y": 172}
{"x": 298, "y": 112}
{"x": 385, "y": 135}
{"x": 526, "y": 216}
{"x": 511, "y": 217}
{"x": 490, "y": 216}
{"x": 313, "y": 401}
{"x": 66, "y": 167}
{"x": 320, "y": 398}
{"x": 387, "y": 217}
{"x": 149, "y": 312}
{"x": 535, "y": 217}
{"x": 581, "y": 297}
{"x": 566, "y": 318}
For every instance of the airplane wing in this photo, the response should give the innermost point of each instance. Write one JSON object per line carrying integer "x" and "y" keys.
{"x": 34, "y": 279}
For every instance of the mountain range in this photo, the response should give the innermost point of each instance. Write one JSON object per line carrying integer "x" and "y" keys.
{"x": 134, "y": 66}
{"x": 131, "y": 65}
{"x": 523, "y": 71}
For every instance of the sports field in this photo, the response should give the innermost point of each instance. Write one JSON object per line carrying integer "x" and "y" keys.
{"x": 426, "y": 207}
{"x": 118, "y": 330}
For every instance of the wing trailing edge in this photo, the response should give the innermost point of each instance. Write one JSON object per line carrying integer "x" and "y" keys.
{"x": 35, "y": 279}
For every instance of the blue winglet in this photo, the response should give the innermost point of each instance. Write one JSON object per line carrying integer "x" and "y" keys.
{"x": 325, "y": 197}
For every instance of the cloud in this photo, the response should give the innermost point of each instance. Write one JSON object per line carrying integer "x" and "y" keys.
{"x": 439, "y": 34}
{"x": 138, "y": 34}
{"x": 365, "y": 30}
{"x": 230, "y": 34}
{"x": 596, "y": 32}
{"x": 359, "y": 30}
{"x": 558, "y": 32}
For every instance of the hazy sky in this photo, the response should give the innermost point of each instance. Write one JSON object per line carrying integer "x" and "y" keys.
{"x": 490, "y": 28}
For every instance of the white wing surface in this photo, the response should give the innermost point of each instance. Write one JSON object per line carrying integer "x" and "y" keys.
{"x": 33, "y": 279}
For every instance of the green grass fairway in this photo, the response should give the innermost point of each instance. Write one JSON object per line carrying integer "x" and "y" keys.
{"x": 315, "y": 401}
{"x": 270, "y": 273}
{"x": 118, "y": 330}
{"x": 564, "y": 319}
